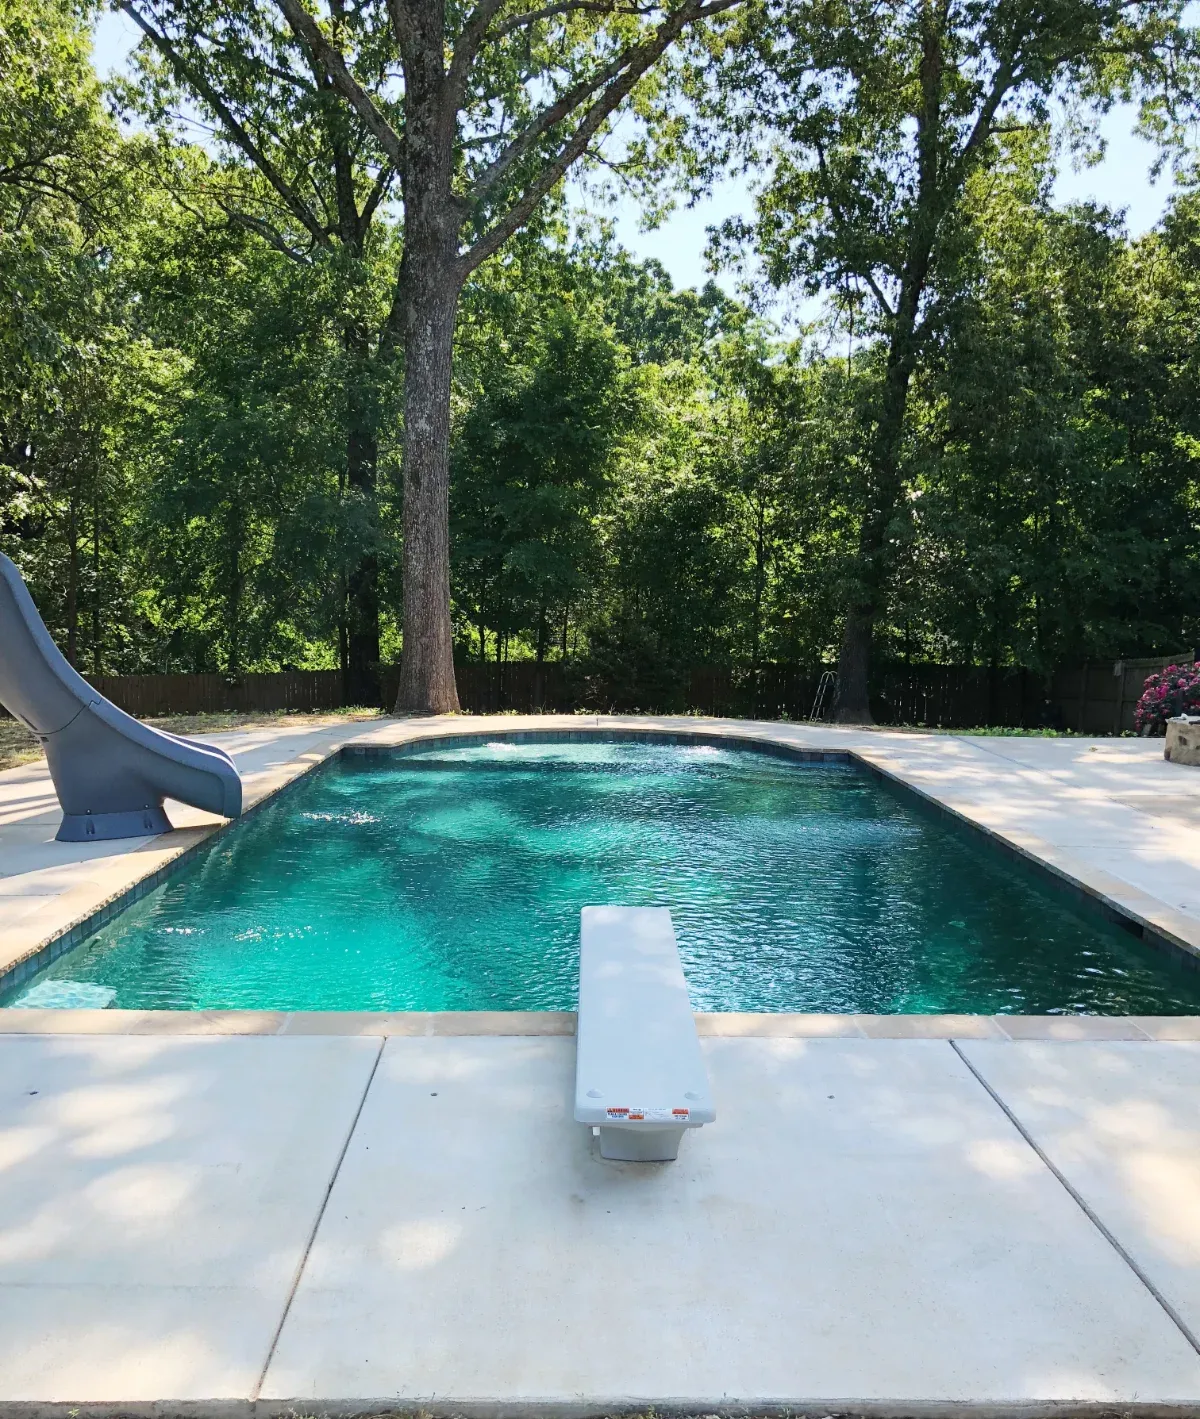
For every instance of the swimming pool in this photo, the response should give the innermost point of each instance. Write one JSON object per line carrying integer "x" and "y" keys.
{"x": 452, "y": 879}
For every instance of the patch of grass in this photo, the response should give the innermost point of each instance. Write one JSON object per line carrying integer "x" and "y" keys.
{"x": 1004, "y": 731}
{"x": 997, "y": 731}
{"x": 220, "y": 723}
{"x": 18, "y": 746}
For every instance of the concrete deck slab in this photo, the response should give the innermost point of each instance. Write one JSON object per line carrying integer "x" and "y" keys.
{"x": 1121, "y": 1122}
{"x": 156, "y": 1199}
{"x": 862, "y": 1223}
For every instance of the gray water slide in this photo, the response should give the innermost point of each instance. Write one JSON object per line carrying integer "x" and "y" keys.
{"x": 110, "y": 771}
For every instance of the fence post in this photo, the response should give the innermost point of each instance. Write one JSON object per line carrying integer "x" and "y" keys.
{"x": 1119, "y": 715}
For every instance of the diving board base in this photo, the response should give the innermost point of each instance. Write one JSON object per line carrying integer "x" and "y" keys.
{"x": 637, "y": 1144}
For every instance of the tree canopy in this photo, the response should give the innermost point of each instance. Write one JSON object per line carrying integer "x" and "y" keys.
{"x": 875, "y": 128}
{"x": 983, "y": 452}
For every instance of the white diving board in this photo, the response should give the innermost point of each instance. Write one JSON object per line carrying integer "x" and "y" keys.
{"x": 639, "y": 1074}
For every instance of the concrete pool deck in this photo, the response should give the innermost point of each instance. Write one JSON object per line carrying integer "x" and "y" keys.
{"x": 223, "y": 1224}
{"x": 256, "y": 1212}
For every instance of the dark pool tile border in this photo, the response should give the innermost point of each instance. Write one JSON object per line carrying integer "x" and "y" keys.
{"x": 47, "y": 952}
{"x": 617, "y": 1407}
{"x": 604, "y": 734}
{"x": 718, "y": 1407}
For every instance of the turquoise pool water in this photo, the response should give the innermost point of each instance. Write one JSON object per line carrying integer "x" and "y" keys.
{"x": 453, "y": 880}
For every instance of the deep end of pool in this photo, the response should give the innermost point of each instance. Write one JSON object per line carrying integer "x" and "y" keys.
{"x": 450, "y": 876}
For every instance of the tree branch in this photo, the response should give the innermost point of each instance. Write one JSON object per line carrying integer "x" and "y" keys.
{"x": 47, "y": 186}
{"x": 306, "y": 28}
{"x": 285, "y": 75}
{"x": 620, "y": 77}
{"x": 1006, "y": 76}
{"x": 466, "y": 47}
{"x": 234, "y": 130}
{"x": 563, "y": 7}
{"x": 839, "y": 218}
{"x": 877, "y": 293}
{"x": 271, "y": 235}
{"x": 547, "y": 119}
{"x": 378, "y": 192}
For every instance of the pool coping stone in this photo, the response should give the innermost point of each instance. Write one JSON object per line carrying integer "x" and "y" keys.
{"x": 385, "y": 1024}
{"x": 619, "y": 1407}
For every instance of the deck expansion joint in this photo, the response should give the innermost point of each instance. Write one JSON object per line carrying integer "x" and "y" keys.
{"x": 316, "y": 1227}
{"x": 1088, "y": 1211}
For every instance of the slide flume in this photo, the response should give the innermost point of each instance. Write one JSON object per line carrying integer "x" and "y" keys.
{"x": 110, "y": 771}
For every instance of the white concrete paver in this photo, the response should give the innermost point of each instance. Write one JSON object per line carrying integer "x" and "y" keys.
{"x": 861, "y": 1222}
{"x": 1121, "y": 1122}
{"x": 1112, "y": 815}
{"x": 156, "y": 1199}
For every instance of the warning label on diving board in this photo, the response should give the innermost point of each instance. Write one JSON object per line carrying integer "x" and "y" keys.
{"x": 643, "y": 1115}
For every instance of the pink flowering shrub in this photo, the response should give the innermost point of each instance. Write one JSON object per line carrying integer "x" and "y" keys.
{"x": 1175, "y": 690}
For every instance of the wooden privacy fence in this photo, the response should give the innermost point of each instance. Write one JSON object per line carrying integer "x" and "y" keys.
{"x": 1099, "y": 698}
{"x": 520, "y": 685}
{"x": 1093, "y": 698}
{"x": 150, "y": 695}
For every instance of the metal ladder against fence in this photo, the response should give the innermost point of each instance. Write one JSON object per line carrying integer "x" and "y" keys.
{"x": 826, "y": 688}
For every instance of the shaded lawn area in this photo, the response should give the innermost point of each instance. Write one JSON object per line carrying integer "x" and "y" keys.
{"x": 18, "y": 746}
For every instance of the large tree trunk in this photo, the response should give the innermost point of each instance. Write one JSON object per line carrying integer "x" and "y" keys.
{"x": 427, "y": 661}
{"x": 867, "y": 598}
{"x": 852, "y": 704}
{"x": 429, "y": 285}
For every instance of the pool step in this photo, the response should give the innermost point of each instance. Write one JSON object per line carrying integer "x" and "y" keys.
{"x": 639, "y": 1074}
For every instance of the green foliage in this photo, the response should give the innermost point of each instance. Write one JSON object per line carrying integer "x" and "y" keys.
{"x": 71, "y": 363}
{"x": 644, "y": 479}
{"x": 530, "y": 473}
{"x": 875, "y": 128}
{"x": 1052, "y": 514}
